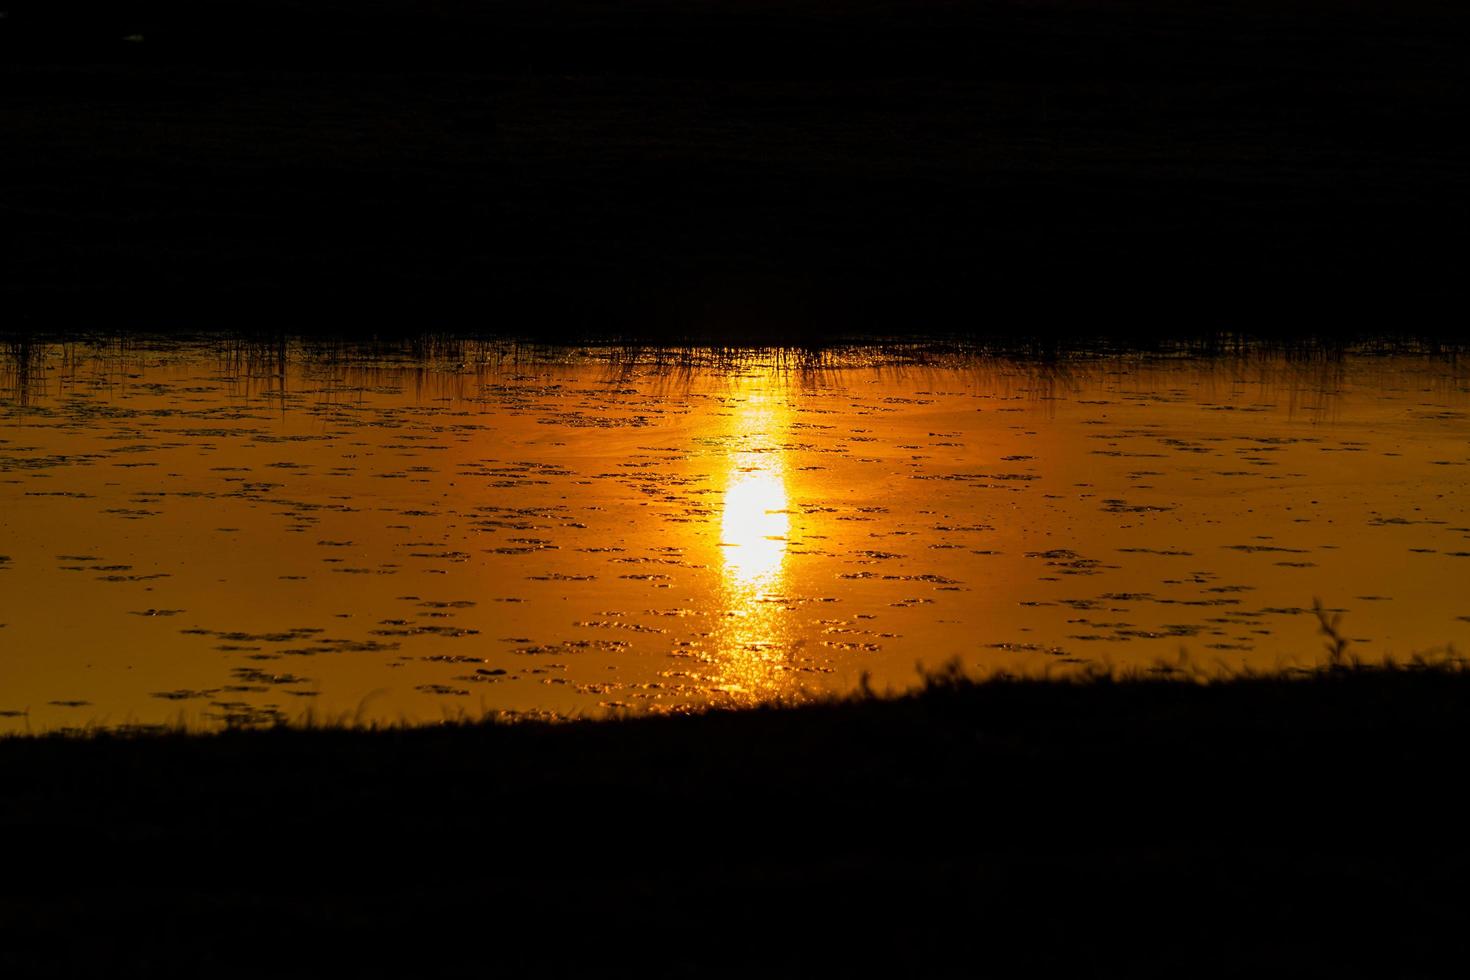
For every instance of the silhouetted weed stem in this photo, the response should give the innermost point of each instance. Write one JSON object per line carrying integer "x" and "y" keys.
{"x": 1329, "y": 625}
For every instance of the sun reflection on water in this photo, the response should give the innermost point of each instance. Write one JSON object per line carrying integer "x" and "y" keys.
{"x": 753, "y": 527}
{"x": 755, "y": 523}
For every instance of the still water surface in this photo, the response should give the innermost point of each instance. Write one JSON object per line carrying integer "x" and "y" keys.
{"x": 189, "y": 532}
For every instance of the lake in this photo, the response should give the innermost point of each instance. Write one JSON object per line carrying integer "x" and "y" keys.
{"x": 209, "y": 533}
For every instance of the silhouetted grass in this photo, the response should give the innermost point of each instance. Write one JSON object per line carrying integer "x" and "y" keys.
{"x": 24, "y": 351}
{"x": 1111, "y": 825}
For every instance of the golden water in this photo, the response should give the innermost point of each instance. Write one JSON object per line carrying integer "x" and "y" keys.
{"x": 189, "y": 533}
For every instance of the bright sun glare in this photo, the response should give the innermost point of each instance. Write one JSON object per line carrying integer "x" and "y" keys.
{"x": 754, "y": 526}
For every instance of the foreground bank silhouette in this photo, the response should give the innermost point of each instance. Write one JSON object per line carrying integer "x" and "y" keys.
{"x": 1301, "y": 826}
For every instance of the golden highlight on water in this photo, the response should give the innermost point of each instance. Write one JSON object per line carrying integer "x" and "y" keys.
{"x": 195, "y": 533}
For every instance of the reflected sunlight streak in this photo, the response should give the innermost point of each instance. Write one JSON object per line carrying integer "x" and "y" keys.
{"x": 755, "y": 522}
{"x": 754, "y": 526}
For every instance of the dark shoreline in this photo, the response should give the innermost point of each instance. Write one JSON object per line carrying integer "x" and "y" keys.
{"x": 737, "y": 170}
{"x": 1306, "y": 826}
